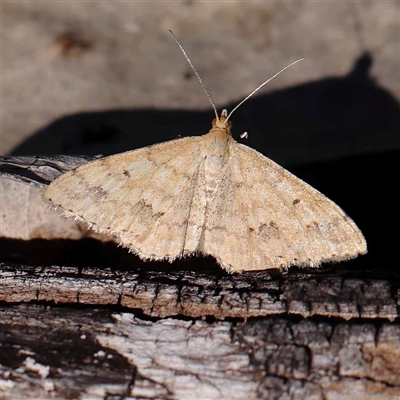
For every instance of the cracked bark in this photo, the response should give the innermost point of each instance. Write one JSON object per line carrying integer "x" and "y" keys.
{"x": 115, "y": 327}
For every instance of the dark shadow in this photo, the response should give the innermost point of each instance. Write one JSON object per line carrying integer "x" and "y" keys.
{"x": 364, "y": 188}
{"x": 320, "y": 120}
{"x": 93, "y": 253}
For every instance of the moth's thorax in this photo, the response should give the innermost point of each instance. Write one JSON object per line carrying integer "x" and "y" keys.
{"x": 216, "y": 156}
{"x": 216, "y": 144}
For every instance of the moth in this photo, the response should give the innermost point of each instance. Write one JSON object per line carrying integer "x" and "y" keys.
{"x": 208, "y": 195}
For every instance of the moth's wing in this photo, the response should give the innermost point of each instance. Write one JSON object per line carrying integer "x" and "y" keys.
{"x": 145, "y": 197}
{"x": 265, "y": 217}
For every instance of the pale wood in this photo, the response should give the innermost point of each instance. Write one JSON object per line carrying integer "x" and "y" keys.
{"x": 64, "y": 353}
{"x": 24, "y": 214}
{"x": 39, "y": 171}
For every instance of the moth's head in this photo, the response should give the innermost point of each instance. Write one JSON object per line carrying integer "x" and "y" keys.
{"x": 222, "y": 122}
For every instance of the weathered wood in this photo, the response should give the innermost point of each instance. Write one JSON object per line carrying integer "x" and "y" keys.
{"x": 186, "y": 330}
{"x": 24, "y": 214}
{"x": 71, "y": 353}
{"x": 193, "y": 294}
{"x": 39, "y": 171}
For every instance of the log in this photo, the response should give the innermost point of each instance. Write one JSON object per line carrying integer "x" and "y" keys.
{"x": 116, "y": 327}
{"x": 64, "y": 353}
{"x": 189, "y": 294}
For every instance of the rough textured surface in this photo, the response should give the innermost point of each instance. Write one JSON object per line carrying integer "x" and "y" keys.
{"x": 38, "y": 171}
{"x": 191, "y": 294}
{"x": 208, "y": 195}
{"x": 96, "y": 354}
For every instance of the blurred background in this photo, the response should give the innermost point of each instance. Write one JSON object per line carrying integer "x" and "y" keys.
{"x": 105, "y": 77}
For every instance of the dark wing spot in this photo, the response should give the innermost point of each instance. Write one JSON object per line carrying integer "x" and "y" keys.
{"x": 296, "y": 201}
{"x": 99, "y": 192}
{"x": 126, "y": 173}
{"x": 269, "y": 231}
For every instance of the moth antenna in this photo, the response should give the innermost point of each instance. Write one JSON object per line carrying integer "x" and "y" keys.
{"x": 197, "y": 74}
{"x": 259, "y": 87}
